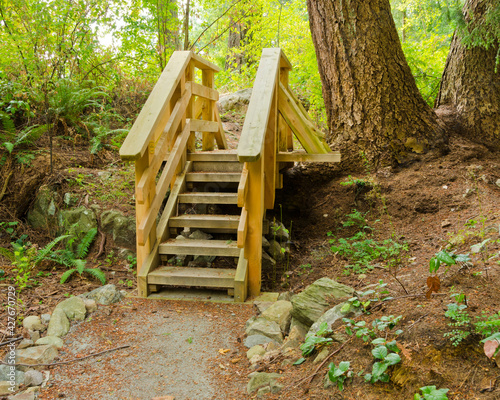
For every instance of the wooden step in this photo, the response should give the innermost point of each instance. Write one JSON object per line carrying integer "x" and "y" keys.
{"x": 217, "y": 166}
{"x": 213, "y": 177}
{"x": 208, "y": 198}
{"x": 188, "y": 276}
{"x": 205, "y": 221}
{"x": 200, "y": 247}
{"x": 216, "y": 156}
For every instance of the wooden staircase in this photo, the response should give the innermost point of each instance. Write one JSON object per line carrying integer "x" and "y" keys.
{"x": 223, "y": 193}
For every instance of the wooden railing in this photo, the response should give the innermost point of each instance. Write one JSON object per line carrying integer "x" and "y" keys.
{"x": 167, "y": 125}
{"x": 266, "y": 143}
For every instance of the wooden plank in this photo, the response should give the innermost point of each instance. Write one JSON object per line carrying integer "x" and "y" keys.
{"x": 208, "y": 198}
{"x": 213, "y": 156}
{"x": 332, "y": 157}
{"x": 153, "y": 116}
{"x": 242, "y": 228}
{"x": 284, "y": 62}
{"x": 256, "y": 121}
{"x": 217, "y": 166}
{"x": 198, "y": 125}
{"x": 152, "y": 261}
{"x": 145, "y": 245}
{"x": 162, "y": 186}
{"x": 269, "y": 154}
{"x": 203, "y": 277}
{"x": 163, "y": 144}
{"x": 255, "y": 208}
{"x": 243, "y": 186}
{"x": 171, "y": 206}
{"x": 300, "y": 127}
{"x": 202, "y": 91}
{"x": 201, "y": 63}
{"x": 213, "y": 177}
{"x": 200, "y": 247}
{"x": 241, "y": 279}
{"x": 205, "y": 221}
{"x": 220, "y": 135}
{"x": 208, "y": 138}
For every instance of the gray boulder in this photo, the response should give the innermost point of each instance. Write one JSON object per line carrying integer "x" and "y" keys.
{"x": 278, "y": 231}
{"x": 200, "y": 235}
{"x": 268, "y": 263}
{"x": 105, "y": 295}
{"x": 275, "y": 251}
{"x": 119, "y": 227}
{"x": 235, "y": 101}
{"x": 36, "y": 355}
{"x": 279, "y": 312}
{"x": 260, "y": 379}
{"x": 33, "y": 323}
{"x": 74, "y": 308}
{"x": 59, "y": 323}
{"x": 254, "y": 340}
{"x": 255, "y": 350}
{"x": 76, "y": 222}
{"x": 43, "y": 213}
{"x": 333, "y": 315}
{"x": 310, "y": 304}
{"x": 6, "y": 372}
{"x": 52, "y": 340}
{"x": 262, "y": 326}
{"x": 33, "y": 378}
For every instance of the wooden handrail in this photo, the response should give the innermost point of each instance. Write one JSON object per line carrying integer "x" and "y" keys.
{"x": 166, "y": 124}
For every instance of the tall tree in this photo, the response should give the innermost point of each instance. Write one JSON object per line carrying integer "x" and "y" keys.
{"x": 372, "y": 103}
{"x": 470, "y": 86}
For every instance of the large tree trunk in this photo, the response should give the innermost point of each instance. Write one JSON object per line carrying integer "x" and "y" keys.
{"x": 470, "y": 87}
{"x": 372, "y": 102}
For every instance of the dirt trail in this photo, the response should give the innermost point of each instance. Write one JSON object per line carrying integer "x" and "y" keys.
{"x": 174, "y": 350}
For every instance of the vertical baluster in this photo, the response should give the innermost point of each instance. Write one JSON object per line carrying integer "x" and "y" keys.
{"x": 208, "y": 140}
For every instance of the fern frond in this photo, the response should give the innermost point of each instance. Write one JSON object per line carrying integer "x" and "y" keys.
{"x": 7, "y": 254}
{"x": 66, "y": 275}
{"x": 79, "y": 265}
{"x": 43, "y": 253}
{"x": 97, "y": 273}
{"x": 83, "y": 247}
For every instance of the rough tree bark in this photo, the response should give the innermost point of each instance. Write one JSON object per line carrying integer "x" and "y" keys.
{"x": 470, "y": 87}
{"x": 372, "y": 102}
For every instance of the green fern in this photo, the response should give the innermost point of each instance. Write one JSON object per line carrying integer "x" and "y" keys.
{"x": 83, "y": 247}
{"x": 97, "y": 273}
{"x": 7, "y": 254}
{"x": 66, "y": 275}
{"x": 44, "y": 254}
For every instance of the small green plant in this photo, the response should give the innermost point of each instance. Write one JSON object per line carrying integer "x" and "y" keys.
{"x": 461, "y": 323}
{"x": 387, "y": 354}
{"x": 9, "y": 228}
{"x": 448, "y": 258}
{"x": 379, "y": 325}
{"x": 80, "y": 267}
{"x": 339, "y": 374}
{"x": 363, "y": 300}
{"x": 314, "y": 341}
{"x": 431, "y": 393}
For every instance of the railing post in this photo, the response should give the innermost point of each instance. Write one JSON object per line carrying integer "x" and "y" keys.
{"x": 255, "y": 209}
{"x": 141, "y": 210}
{"x": 208, "y": 138}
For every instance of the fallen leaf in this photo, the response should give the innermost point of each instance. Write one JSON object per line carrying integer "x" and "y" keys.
{"x": 404, "y": 350}
{"x": 490, "y": 347}
{"x": 221, "y": 366}
{"x": 433, "y": 283}
{"x": 224, "y": 351}
{"x": 235, "y": 360}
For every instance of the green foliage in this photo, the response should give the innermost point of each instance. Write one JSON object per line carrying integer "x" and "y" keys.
{"x": 445, "y": 257}
{"x": 339, "y": 374}
{"x": 315, "y": 341}
{"x": 431, "y": 393}
{"x": 488, "y": 325}
{"x": 363, "y": 300}
{"x": 388, "y": 357}
{"x": 460, "y": 321}
{"x": 379, "y": 325}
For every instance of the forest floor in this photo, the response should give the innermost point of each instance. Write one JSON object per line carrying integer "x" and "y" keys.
{"x": 436, "y": 202}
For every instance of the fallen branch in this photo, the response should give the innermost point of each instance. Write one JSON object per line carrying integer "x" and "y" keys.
{"x": 66, "y": 362}
{"x": 411, "y": 326}
{"x": 4, "y": 188}
{"x": 101, "y": 246}
{"x": 403, "y": 297}
{"x": 11, "y": 340}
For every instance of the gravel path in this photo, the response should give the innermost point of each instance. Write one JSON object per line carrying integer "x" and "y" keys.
{"x": 190, "y": 350}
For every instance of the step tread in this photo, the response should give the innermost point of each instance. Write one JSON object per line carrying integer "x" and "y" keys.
{"x": 190, "y": 276}
{"x": 204, "y": 221}
{"x": 208, "y": 198}
{"x": 213, "y": 176}
{"x": 200, "y": 247}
